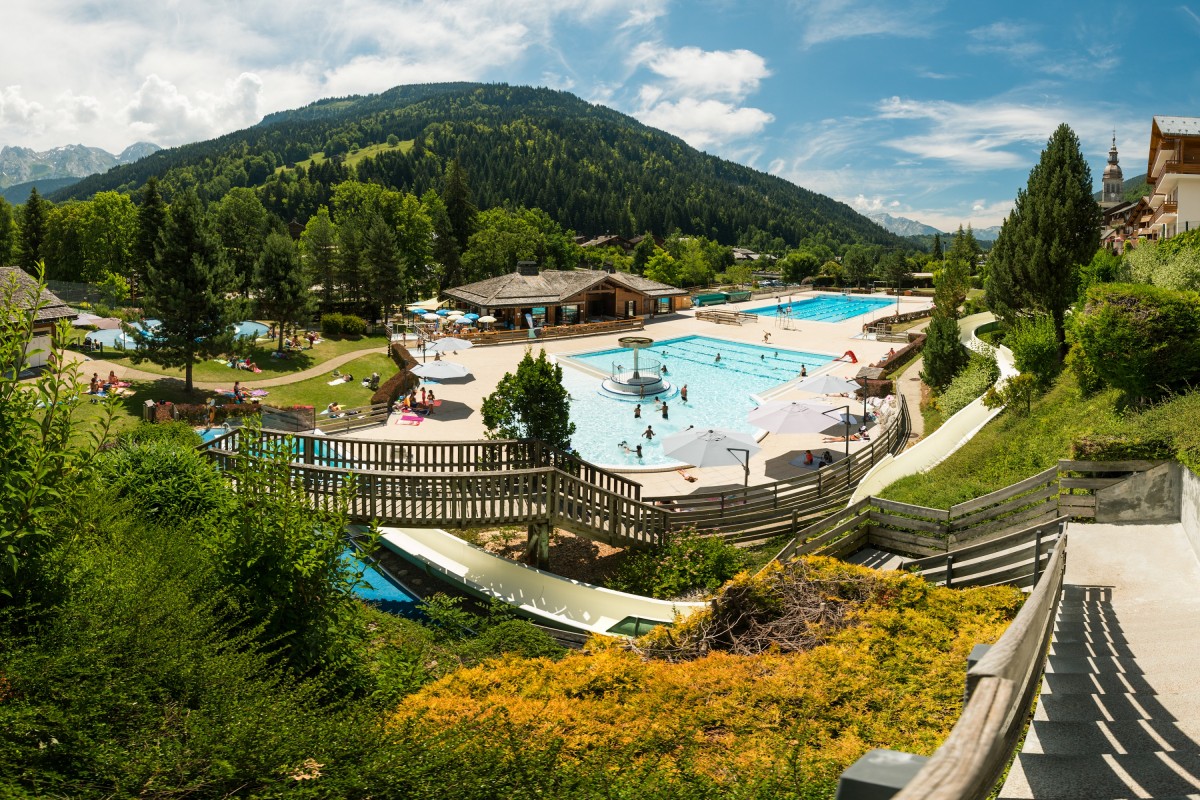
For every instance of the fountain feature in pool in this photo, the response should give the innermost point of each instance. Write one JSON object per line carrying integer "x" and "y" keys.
{"x": 644, "y": 380}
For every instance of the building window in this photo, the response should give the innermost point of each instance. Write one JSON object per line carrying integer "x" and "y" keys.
{"x": 539, "y": 316}
{"x": 570, "y": 314}
{"x": 630, "y": 308}
{"x": 664, "y": 305}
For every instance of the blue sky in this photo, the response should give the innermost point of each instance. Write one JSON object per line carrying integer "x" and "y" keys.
{"x": 929, "y": 110}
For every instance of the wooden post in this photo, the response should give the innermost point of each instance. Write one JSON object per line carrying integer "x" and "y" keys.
{"x": 537, "y": 546}
{"x": 1037, "y": 554}
{"x": 949, "y": 572}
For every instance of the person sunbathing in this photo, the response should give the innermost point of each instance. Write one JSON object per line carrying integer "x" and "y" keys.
{"x": 334, "y": 409}
{"x": 854, "y": 437}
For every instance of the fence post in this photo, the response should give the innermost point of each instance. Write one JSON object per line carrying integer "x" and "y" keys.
{"x": 776, "y": 494}
{"x": 820, "y": 491}
{"x": 1037, "y": 554}
{"x": 949, "y": 572}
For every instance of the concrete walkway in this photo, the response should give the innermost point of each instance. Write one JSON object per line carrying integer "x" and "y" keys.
{"x": 1119, "y": 713}
{"x": 88, "y": 366}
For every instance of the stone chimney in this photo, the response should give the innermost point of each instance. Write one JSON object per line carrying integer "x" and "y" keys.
{"x": 529, "y": 268}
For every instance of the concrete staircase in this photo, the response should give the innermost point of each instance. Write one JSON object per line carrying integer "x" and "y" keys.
{"x": 1119, "y": 712}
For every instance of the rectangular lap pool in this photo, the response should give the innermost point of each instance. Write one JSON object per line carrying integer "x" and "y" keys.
{"x": 719, "y": 394}
{"x": 824, "y": 307}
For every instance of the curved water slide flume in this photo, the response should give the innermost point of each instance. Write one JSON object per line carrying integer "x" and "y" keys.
{"x": 954, "y": 432}
{"x": 543, "y": 597}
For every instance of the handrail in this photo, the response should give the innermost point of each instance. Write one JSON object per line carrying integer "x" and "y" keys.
{"x": 1000, "y": 689}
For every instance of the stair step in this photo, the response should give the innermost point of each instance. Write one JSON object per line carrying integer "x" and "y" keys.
{"x": 1121, "y": 736}
{"x": 1085, "y": 649}
{"x": 1161, "y": 683}
{"x": 1142, "y": 665}
{"x": 1102, "y": 777}
{"x": 1089, "y": 707}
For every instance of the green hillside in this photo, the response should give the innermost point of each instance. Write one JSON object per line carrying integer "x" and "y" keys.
{"x": 591, "y": 168}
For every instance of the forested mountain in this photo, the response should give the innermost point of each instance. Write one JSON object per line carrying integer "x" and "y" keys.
{"x": 590, "y": 168}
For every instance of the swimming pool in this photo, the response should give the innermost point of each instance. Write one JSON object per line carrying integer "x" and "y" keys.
{"x": 824, "y": 307}
{"x": 719, "y": 394}
{"x": 117, "y": 339}
{"x": 249, "y": 329}
{"x": 385, "y": 593}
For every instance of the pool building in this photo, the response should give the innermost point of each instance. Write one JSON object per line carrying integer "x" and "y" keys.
{"x": 533, "y": 298}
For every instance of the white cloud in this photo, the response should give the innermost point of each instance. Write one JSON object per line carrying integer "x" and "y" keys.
{"x": 14, "y": 108}
{"x": 162, "y": 112}
{"x": 832, "y": 20}
{"x": 729, "y": 74}
{"x": 1006, "y": 38}
{"x": 697, "y": 95}
{"x": 705, "y": 123}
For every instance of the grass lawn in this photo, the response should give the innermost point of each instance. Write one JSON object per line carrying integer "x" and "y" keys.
{"x": 1012, "y": 447}
{"x": 311, "y": 392}
{"x": 220, "y": 372}
{"x": 354, "y": 158}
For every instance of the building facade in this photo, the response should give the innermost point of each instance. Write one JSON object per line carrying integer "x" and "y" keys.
{"x": 1174, "y": 173}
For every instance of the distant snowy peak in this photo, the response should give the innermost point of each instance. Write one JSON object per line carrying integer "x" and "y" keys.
{"x": 22, "y": 164}
{"x": 902, "y": 226}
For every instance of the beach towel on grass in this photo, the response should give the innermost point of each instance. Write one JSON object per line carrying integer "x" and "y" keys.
{"x": 336, "y": 382}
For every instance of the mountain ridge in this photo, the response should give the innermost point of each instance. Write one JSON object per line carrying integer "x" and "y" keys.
{"x": 20, "y": 165}
{"x": 589, "y": 167}
{"x": 904, "y": 226}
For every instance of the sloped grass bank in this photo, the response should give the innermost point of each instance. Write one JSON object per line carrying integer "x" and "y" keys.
{"x": 1012, "y": 447}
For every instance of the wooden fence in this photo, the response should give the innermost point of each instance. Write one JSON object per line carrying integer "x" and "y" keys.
{"x": 554, "y": 332}
{"x": 726, "y": 317}
{"x": 758, "y": 513}
{"x": 354, "y": 418}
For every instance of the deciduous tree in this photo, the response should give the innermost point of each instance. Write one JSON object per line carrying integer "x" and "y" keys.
{"x": 531, "y": 403}
{"x": 282, "y": 283}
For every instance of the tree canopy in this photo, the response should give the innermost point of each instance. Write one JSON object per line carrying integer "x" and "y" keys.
{"x": 531, "y": 403}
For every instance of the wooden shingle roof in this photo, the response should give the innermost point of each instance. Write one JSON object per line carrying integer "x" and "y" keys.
{"x": 25, "y": 296}
{"x": 514, "y": 290}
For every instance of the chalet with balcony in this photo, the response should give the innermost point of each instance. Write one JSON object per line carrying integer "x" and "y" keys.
{"x": 1174, "y": 173}
{"x": 19, "y": 293}
{"x": 530, "y": 297}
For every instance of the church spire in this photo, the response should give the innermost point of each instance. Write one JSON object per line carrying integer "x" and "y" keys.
{"x": 1114, "y": 188}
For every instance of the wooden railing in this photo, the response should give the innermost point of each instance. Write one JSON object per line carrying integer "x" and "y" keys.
{"x": 759, "y": 513}
{"x": 554, "y": 331}
{"x": 1016, "y": 559}
{"x": 515, "y": 495}
{"x": 1000, "y": 689}
{"x": 354, "y": 418}
{"x": 726, "y": 317}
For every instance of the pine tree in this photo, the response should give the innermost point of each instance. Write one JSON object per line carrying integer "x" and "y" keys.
{"x": 936, "y": 253}
{"x": 1053, "y": 229}
{"x": 35, "y": 231}
{"x": 318, "y": 243}
{"x": 151, "y": 219}
{"x": 383, "y": 264}
{"x": 187, "y": 289}
{"x": 282, "y": 283}
{"x": 461, "y": 212}
{"x": 8, "y": 232}
{"x": 943, "y": 353}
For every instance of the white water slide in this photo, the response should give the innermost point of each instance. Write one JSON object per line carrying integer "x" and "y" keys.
{"x": 540, "y": 596}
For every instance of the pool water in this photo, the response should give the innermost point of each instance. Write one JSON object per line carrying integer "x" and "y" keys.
{"x": 249, "y": 329}
{"x": 825, "y": 307}
{"x": 719, "y": 394}
{"x": 117, "y": 339}
{"x": 388, "y": 595}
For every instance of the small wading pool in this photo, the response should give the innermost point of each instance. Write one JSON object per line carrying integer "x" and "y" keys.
{"x": 824, "y": 308}
{"x": 117, "y": 339}
{"x": 720, "y": 394}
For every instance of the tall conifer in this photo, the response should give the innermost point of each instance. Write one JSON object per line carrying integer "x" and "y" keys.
{"x": 1053, "y": 229}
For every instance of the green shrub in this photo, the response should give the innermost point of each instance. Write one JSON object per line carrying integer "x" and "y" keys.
{"x": 164, "y": 481}
{"x": 331, "y": 324}
{"x": 353, "y": 325}
{"x": 1122, "y": 446}
{"x": 175, "y": 431}
{"x": 685, "y": 563}
{"x": 943, "y": 352}
{"x": 979, "y": 374}
{"x": 336, "y": 324}
{"x": 1034, "y": 346}
{"x": 1141, "y": 339}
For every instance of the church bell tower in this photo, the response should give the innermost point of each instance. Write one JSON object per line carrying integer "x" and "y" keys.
{"x": 1114, "y": 190}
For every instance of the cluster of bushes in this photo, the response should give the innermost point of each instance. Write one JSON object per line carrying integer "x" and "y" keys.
{"x": 704, "y": 725}
{"x": 335, "y": 324}
{"x": 685, "y": 563}
{"x": 971, "y": 382}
